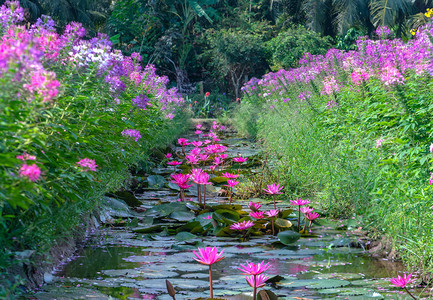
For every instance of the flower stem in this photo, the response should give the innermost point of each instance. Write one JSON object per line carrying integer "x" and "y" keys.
{"x": 255, "y": 288}
{"x": 199, "y": 193}
{"x": 273, "y": 228}
{"x": 410, "y": 294}
{"x": 204, "y": 195}
{"x": 275, "y": 206}
{"x": 299, "y": 218}
{"x": 210, "y": 281}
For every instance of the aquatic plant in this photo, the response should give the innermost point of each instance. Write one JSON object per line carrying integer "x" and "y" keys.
{"x": 255, "y": 271}
{"x": 208, "y": 256}
{"x": 274, "y": 189}
{"x": 402, "y": 281}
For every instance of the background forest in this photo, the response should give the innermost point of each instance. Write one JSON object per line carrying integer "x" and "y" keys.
{"x": 218, "y": 45}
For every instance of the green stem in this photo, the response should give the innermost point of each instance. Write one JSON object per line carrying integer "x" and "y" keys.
{"x": 410, "y": 294}
{"x": 255, "y": 288}
{"x": 299, "y": 218}
{"x": 210, "y": 281}
{"x": 275, "y": 205}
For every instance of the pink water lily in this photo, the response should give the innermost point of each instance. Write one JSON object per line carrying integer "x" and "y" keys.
{"x": 402, "y": 281}
{"x": 306, "y": 209}
{"x": 274, "y": 189}
{"x": 259, "y": 281}
{"x": 183, "y": 142}
{"x": 168, "y": 155}
{"x": 271, "y": 214}
{"x": 244, "y": 225}
{"x": 254, "y": 206}
{"x": 230, "y": 176}
{"x": 312, "y": 216}
{"x": 299, "y": 202}
{"x": 254, "y": 269}
{"x": 197, "y": 143}
{"x": 232, "y": 183}
{"x": 191, "y": 159}
{"x": 209, "y": 256}
{"x": 257, "y": 215}
{"x": 254, "y": 277}
{"x": 200, "y": 178}
{"x": 240, "y": 159}
{"x": 174, "y": 163}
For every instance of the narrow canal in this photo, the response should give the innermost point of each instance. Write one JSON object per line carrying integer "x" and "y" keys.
{"x": 136, "y": 249}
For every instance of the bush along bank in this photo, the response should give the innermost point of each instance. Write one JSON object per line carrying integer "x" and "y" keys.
{"x": 76, "y": 114}
{"x": 354, "y": 131}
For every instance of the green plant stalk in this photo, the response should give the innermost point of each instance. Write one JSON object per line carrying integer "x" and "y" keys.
{"x": 255, "y": 288}
{"x": 409, "y": 293}
{"x": 210, "y": 281}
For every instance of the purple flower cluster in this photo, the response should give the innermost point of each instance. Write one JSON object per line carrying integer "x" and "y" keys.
{"x": 29, "y": 50}
{"x": 386, "y": 60}
{"x": 132, "y": 133}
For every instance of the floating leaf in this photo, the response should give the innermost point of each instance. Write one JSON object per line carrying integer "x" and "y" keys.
{"x": 184, "y": 236}
{"x": 173, "y": 186}
{"x": 266, "y": 295}
{"x": 156, "y": 181}
{"x": 227, "y": 214}
{"x": 182, "y": 216}
{"x": 283, "y": 223}
{"x": 327, "y": 284}
{"x": 149, "y": 229}
{"x": 288, "y": 237}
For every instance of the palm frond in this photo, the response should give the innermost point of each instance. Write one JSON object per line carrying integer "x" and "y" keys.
{"x": 350, "y": 13}
{"x": 316, "y": 12}
{"x": 385, "y": 12}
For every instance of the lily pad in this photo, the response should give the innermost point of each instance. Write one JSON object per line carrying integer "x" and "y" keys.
{"x": 173, "y": 186}
{"x": 156, "y": 181}
{"x": 184, "y": 236}
{"x": 283, "y": 223}
{"x": 345, "y": 276}
{"x": 328, "y": 284}
{"x": 182, "y": 216}
{"x": 288, "y": 237}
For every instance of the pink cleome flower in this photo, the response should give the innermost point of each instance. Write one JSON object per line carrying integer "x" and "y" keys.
{"x": 32, "y": 172}
{"x": 132, "y": 133}
{"x": 26, "y": 156}
{"x": 87, "y": 164}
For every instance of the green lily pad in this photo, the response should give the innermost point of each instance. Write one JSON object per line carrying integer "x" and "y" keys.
{"x": 148, "y": 229}
{"x": 345, "y": 276}
{"x": 185, "y": 236}
{"x": 182, "y": 216}
{"x": 286, "y": 213}
{"x": 166, "y": 209}
{"x": 283, "y": 223}
{"x": 288, "y": 237}
{"x": 227, "y": 214}
{"x": 218, "y": 179}
{"x": 346, "y": 291}
{"x": 328, "y": 284}
{"x": 156, "y": 181}
{"x": 233, "y": 207}
{"x": 173, "y": 186}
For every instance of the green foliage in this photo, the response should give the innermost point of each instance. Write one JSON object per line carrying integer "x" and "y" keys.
{"x": 234, "y": 54}
{"x": 348, "y": 41}
{"x": 82, "y": 123}
{"x": 288, "y": 47}
{"x": 369, "y": 156}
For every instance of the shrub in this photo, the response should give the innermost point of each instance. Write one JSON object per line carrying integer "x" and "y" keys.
{"x": 353, "y": 129}
{"x": 76, "y": 115}
{"x": 288, "y": 47}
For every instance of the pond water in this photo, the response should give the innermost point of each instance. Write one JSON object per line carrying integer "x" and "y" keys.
{"x": 123, "y": 262}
